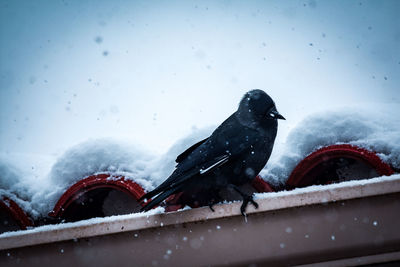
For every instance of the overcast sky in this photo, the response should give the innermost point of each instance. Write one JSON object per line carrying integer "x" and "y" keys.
{"x": 151, "y": 71}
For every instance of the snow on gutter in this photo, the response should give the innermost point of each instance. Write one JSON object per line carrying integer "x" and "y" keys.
{"x": 155, "y": 218}
{"x": 174, "y": 222}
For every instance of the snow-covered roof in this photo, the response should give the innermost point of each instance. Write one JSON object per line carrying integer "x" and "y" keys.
{"x": 377, "y": 131}
{"x": 39, "y": 181}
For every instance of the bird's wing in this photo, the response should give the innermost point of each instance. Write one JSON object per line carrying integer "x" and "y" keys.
{"x": 219, "y": 161}
{"x": 176, "y": 182}
{"x": 184, "y": 154}
{"x": 184, "y": 173}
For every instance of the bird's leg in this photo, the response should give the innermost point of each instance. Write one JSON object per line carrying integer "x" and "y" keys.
{"x": 211, "y": 206}
{"x": 246, "y": 199}
{"x": 211, "y": 203}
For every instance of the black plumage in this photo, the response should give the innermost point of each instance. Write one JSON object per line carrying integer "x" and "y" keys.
{"x": 233, "y": 155}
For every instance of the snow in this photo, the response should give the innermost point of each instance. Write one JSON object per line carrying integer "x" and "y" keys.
{"x": 374, "y": 128}
{"x": 94, "y": 157}
{"x": 315, "y": 188}
{"x": 165, "y": 164}
{"x": 83, "y": 223}
{"x": 39, "y": 188}
{"x": 102, "y": 155}
{"x": 196, "y": 243}
{"x": 37, "y": 182}
{"x": 19, "y": 184}
{"x": 25, "y": 205}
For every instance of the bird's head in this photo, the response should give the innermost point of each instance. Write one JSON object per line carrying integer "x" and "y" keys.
{"x": 257, "y": 106}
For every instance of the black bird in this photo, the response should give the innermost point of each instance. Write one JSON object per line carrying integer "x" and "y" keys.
{"x": 233, "y": 155}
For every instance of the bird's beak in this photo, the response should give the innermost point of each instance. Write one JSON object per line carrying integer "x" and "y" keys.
{"x": 276, "y": 115}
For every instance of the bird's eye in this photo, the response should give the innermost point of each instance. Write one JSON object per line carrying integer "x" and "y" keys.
{"x": 272, "y": 115}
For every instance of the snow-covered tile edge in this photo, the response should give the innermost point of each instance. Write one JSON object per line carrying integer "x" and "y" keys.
{"x": 322, "y": 194}
{"x": 315, "y": 188}
{"x": 156, "y": 218}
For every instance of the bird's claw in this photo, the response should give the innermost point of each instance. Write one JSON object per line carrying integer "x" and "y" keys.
{"x": 246, "y": 201}
{"x": 211, "y": 207}
{"x": 255, "y": 204}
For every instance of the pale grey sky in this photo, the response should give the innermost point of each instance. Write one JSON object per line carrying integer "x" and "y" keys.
{"x": 150, "y": 71}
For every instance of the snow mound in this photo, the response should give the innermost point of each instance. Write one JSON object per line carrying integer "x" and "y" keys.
{"x": 9, "y": 175}
{"x": 101, "y": 155}
{"x": 164, "y": 166}
{"x": 93, "y": 157}
{"x": 377, "y": 131}
{"x": 12, "y": 186}
{"x": 36, "y": 183}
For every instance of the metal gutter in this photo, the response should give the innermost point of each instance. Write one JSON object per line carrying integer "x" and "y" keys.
{"x": 330, "y": 223}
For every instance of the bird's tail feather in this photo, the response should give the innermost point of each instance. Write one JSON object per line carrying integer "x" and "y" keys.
{"x": 154, "y": 202}
{"x": 171, "y": 182}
